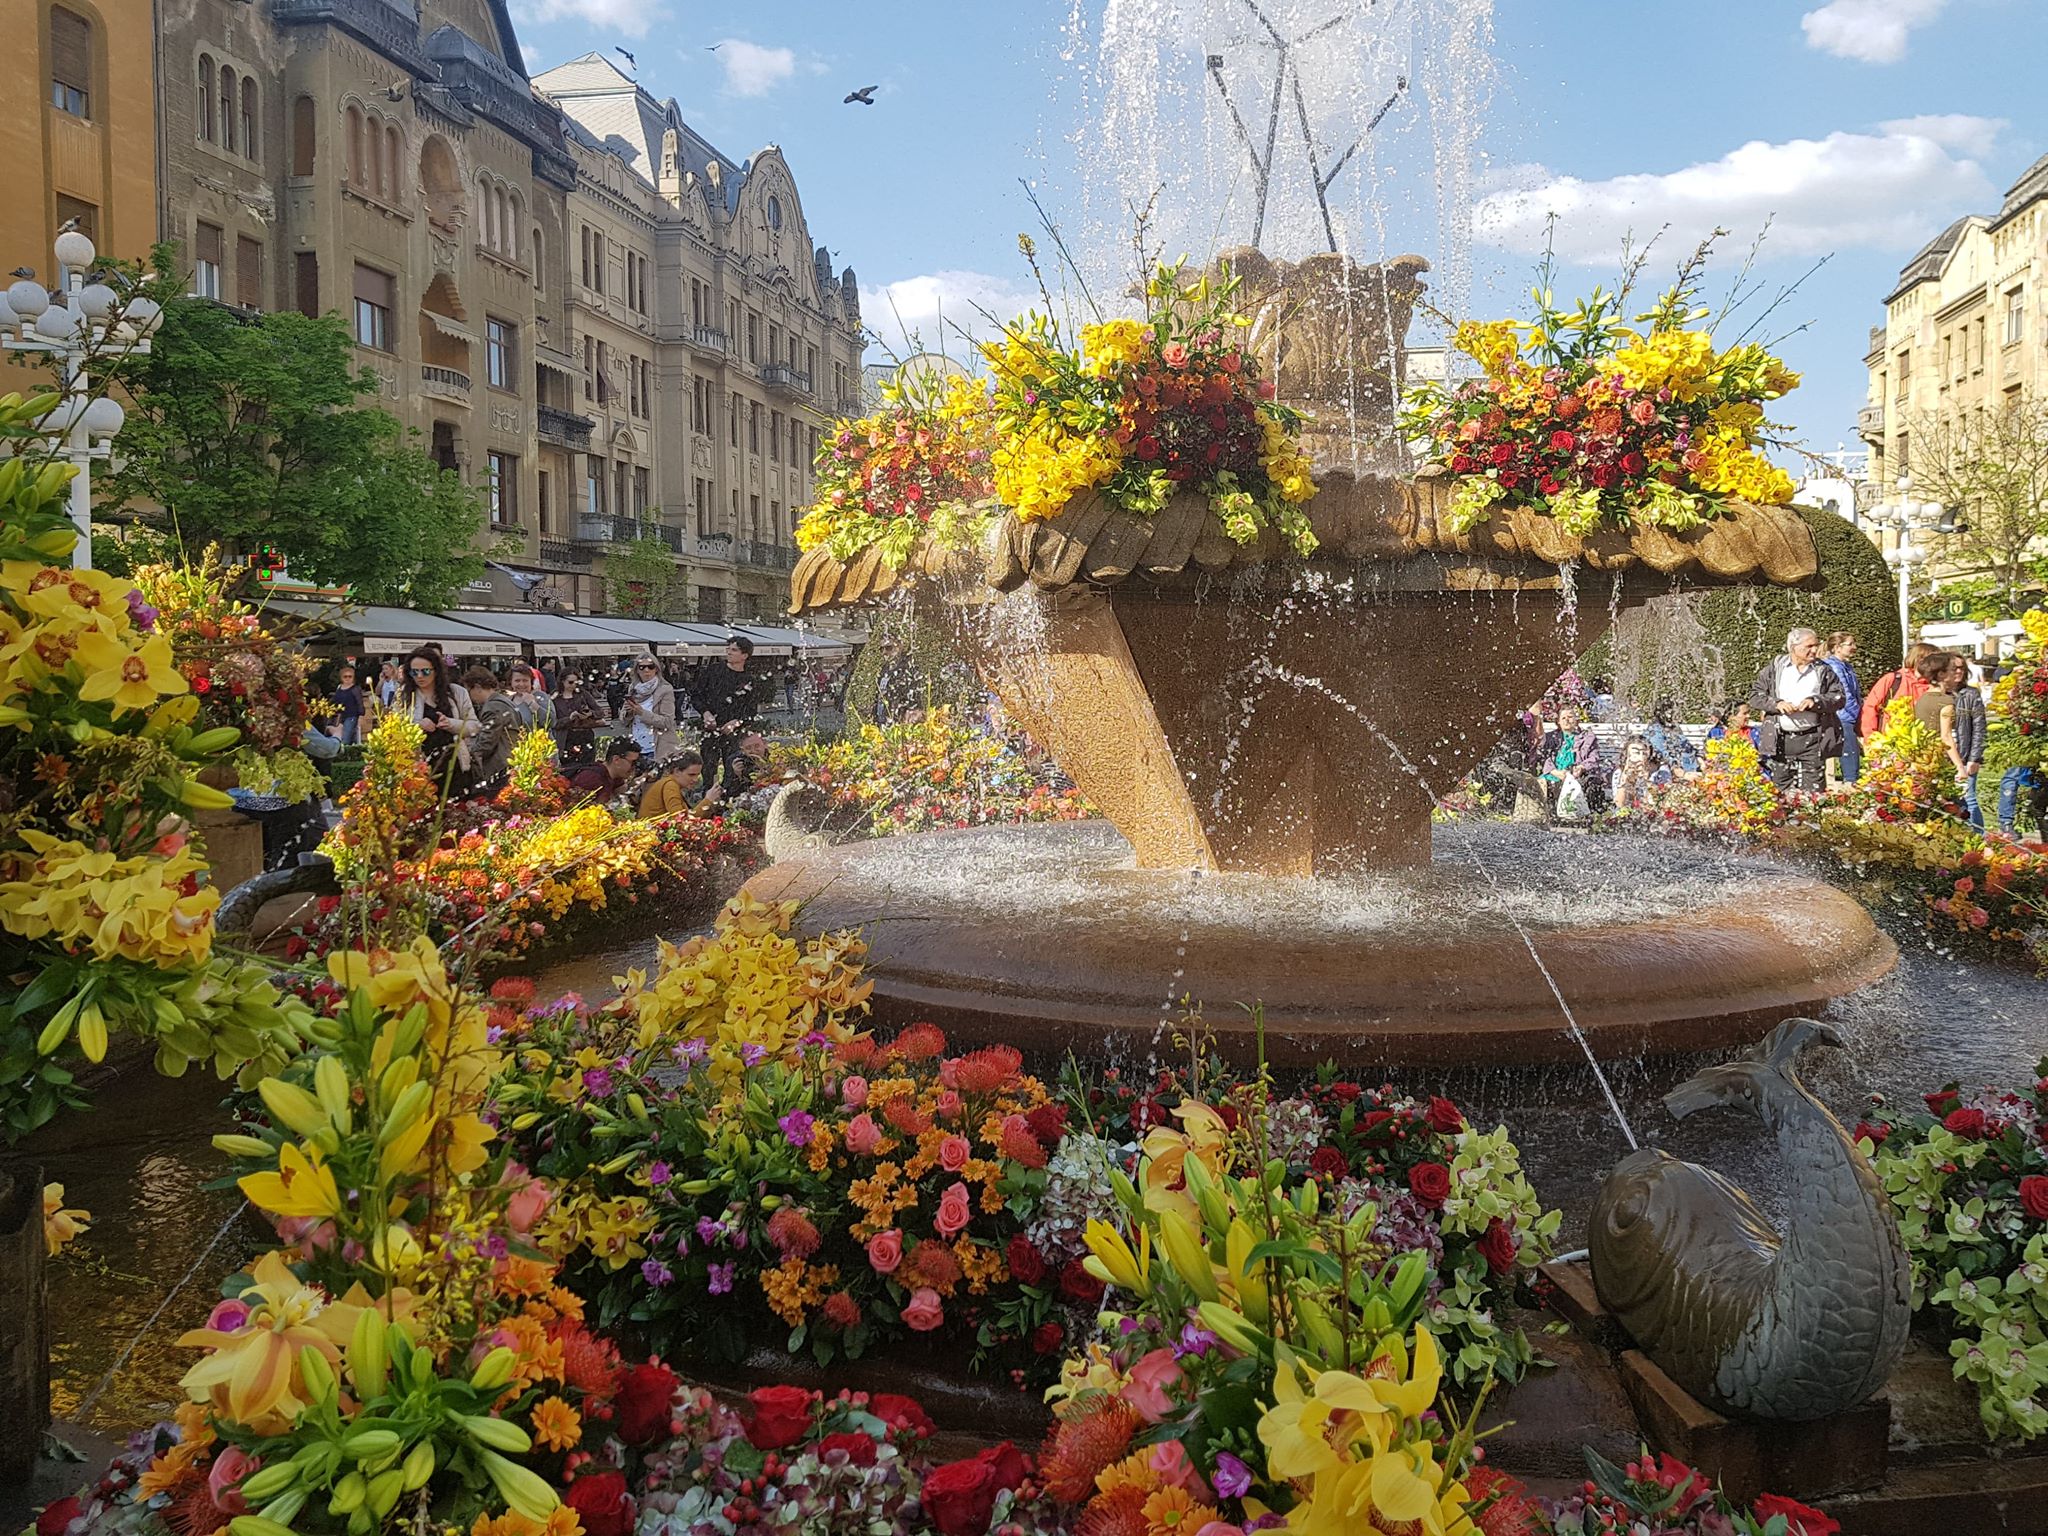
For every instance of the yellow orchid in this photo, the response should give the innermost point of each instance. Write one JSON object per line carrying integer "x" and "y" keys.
{"x": 1163, "y": 1174}
{"x": 302, "y": 1185}
{"x": 130, "y": 679}
{"x": 61, "y": 1226}
{"x": 467, "y": 1137}
{"x": 251, "y": 1376}
{"x": 63, "y": 592}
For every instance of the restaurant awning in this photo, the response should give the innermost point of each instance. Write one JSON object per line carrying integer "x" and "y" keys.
{"x": 375, "y": 629}
{"x": 550, "y": 634}
{"x": 777, "y": 640}
{"x": 664, "y": 638}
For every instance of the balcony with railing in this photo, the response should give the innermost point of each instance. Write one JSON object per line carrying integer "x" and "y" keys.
{"x": 1870, "y": 423}
{"x": 563, "y": 552}
{"x": 565, "y": 429}
{"x": 715, "y": 547}
{"x": 850, "y": 407}
{"x": 781, "y": 379}
{"x": 444, "y": 383}
{"x": 767, "y": 557}
{"x": 598, "y": 528}
{"x": 708, "y": 339}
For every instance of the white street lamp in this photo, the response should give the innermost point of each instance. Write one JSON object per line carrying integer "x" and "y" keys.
{"x": 72, "y": 325}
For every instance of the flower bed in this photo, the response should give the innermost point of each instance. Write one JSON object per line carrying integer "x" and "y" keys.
{"x": 925, "y": 776}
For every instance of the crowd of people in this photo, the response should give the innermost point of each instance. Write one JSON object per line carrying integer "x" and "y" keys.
{"x": 1806, "y": 714}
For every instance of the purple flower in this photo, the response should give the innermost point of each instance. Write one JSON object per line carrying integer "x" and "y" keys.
{"x": 689, "y": 1050}
{"x": 682, "y": 1244}
{"x": 658, "y": 1174}
{"x": 597, "y": 1081}
{"x": 493, "y": 1034}
{"x": 1193, "y": 1341}
{"x": 751, "y": 1054}
{"x": 796, "y": 1128}
{"x": 656, "y": 1273}
{"x": 140, "y": 613}
{"x": 720, "y": 1282}
{"x": 1233, "y": 1479}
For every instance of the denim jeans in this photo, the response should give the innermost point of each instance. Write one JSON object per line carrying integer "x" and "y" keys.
{"x": 1970, "y": 805}
{"x": 1852, "y": 752}
{"x": 2015, "y": 783}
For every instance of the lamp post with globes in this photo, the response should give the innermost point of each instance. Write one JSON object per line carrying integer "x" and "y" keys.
{"x": 77, "y": 323}
{"x": 1904, "y": 510}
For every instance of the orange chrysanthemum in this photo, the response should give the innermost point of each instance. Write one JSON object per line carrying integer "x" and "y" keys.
{"x": 556, "y": 1425}
{"x": 1174, "y": 1512}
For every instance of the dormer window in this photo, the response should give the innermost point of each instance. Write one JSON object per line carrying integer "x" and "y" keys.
{"x": 774, "y": 212}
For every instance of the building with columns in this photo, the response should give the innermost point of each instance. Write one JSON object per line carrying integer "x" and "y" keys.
{"x": 612, "y": 329}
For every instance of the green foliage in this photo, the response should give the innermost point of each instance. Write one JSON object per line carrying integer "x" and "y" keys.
{"x": 641, "y": 578}
{"x": 246, "y": 430}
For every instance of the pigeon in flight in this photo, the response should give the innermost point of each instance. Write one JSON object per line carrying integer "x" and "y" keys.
{"x": 713, "y": 47}
{"x": 865, "y": 96}
{"x": 626, "y": 56}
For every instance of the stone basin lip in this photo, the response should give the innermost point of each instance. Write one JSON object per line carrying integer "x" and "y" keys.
{"x": 1044, "y": 937}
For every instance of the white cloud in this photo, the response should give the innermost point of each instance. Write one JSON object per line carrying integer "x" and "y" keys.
{"x": 752, "y": 70}
{"x": 927, "y": 312}
{"x": 632, "y": 17}
{"x": 1886, "y": 190}
{"x": 1868, "y": 31}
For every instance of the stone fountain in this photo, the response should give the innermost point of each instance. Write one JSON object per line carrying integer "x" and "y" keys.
{"x": 1268, "y": 737}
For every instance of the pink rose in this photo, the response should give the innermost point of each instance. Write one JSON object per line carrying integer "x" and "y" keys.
{"x": 1150, "y": 1388}
{"x": 1220, "y": 1528}
{"x": 863, "y": 1136}
{"x": 950, "y": 1105}
{"x": 885, "y": 1251}
{"x": 1170, "y": 1464}
{"x": 953, "y": 1152}
{"x": 231, "y": 1468}
{"x": 955, "y": 1211}
{"x": 853, "y": 1093}
{"x": 227, "y": 1316}
{"x": 1175, "y": 354}
{"x": 525, "y": 1206}
{"x": 923, "y": 1312}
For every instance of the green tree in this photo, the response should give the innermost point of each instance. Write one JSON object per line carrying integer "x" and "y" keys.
{"x": 640, "y": 577}
{"x": 245, "y": 430}
{"x": 1990, "y": 466}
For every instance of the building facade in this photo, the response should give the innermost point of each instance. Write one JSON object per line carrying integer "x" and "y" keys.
{"x": 714, "y": 338}
{"x": 80, "y": 141}
{"x": 1965, "y": 332}
{"x": 535, "y": 270}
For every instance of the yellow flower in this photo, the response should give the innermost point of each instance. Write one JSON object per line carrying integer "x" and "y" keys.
{"x": 302, "y": 1185}
{"x": 556, "y": 1425}
{"x": 130, "y": 679}
{"x": 251, "y": 1376}
{"x": 1163, "y": 1175}
{"x": 60, "y": 1226}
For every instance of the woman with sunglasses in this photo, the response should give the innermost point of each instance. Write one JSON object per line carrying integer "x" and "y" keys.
{"x": 441, "y": 711}
{"x": 649, "y": 711}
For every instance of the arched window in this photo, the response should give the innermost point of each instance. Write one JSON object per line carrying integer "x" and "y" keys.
{"x": 302, "y": 136}
{"x": 356, "y": 170}
{"x": 539, "y": 278}
{"x": 380, "y": 173}
{"x": 250, "y": 148}
{"x": 393, "y": 163}
{"x": 226, "y": 106}
{"x": 206, "y": 84}
{"x": 513, "y": 226}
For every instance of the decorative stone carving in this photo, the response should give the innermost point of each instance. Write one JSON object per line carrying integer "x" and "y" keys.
{"x": 1754, "y": 1323}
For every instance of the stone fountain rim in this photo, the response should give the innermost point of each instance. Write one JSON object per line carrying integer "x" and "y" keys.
{"x": 1371, "y": 521}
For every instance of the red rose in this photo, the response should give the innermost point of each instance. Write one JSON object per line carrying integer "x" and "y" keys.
{"x": 1966, "y": 1123}
{"x": 1078, "y": 1286}
{"x": 1345, "y": 1093}
{"x": 781, "y": 1416}
{"x": 55, "y": 1517}
{"x": 1046, "y": 1338}
{"x": 859, "y": 1448}
{"x": 1027, "y": 1264}
{"x": 1497, "y": 1245}
{"x": 1048, "y": 1123}
{"x": 960, "y": 1497}
{"x": 1562, "y": 442}
{"x": 1799, "y": 1518}
{"x": 1430, "y": 1183}
{"x": 2034, "y": 1196}
{"x": 1634, "y": 463}
{"x": 1328, "y": 1163}
{"x": 600, "y": 1502}
{"x": 1445, "y": 1118}
{"x": 1876, "y": 1133}
{"x": 645, "y": 1404}
{"x": 901, "y": 1413}
{"x": 1940, "y": 1102}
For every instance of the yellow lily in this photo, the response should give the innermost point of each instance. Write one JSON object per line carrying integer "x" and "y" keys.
{"x": 251, "y": 1377}
{"x": 302, "y": 1185}
{"x": 1163, "y": 1176}
{"x": 1111, "y": 1260}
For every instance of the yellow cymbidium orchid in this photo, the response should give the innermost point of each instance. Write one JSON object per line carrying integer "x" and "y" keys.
{"x": 129, "y": 679}
{"x": 1163, "y": 1176}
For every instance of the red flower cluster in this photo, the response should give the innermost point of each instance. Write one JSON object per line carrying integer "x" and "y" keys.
{"x": 1194, "y": 410}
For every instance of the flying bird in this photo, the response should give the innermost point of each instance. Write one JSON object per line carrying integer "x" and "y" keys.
{"x": 628, "y": 57}
{"x": 865, "y": 96}
{"x": 713, "y": 47}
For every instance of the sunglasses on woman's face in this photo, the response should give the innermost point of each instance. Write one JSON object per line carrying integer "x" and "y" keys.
{"x": 422, "y": 671}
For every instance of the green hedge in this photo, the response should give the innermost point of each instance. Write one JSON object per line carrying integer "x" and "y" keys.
{"x": 1705, "y": 646}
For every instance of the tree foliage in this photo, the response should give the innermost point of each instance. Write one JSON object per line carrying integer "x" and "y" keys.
{"x": 641, "y": 578}
{"x": 1991, "y": 466}
{"x": 244, "y": 430}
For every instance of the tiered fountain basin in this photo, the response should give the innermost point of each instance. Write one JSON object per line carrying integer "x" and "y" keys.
{"x": 1265, "y": 736}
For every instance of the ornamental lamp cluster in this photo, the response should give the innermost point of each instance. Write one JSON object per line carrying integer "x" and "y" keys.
{"x": 81, "y": 319}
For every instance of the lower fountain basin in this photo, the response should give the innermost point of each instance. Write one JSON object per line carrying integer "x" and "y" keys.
{"x": 1049, "y": 938}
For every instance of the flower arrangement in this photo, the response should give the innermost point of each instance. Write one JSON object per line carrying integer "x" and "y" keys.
{"x": 1602, "y": 422}
{"x": 1968, "y": 1178}
{"x": 2021, "y": 696}
{"x": 936, "y": 772}
{"x": 106, "y": 919}
{"x": 1663, "y": 1494}
{"x": 1141, "y": 409}
{"x": 242, "y": 671}
{"x": 916, "y": 469}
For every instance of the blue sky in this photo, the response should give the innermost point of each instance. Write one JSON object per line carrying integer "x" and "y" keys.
{"x": 1862, "y": 126}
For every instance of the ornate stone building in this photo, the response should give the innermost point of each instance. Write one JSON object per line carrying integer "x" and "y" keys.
{"x": 714, "y": 338}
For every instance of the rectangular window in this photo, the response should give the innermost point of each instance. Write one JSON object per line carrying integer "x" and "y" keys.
{"x": 701, "y": 494}
{"x": 593, "y": 486}
{"x": 754, "y": 517}
{"x": 71, "y": 210}
{"x": 620, "y": 503}
{"x": 589, "y": 369}
{"x": 376, "y": 296}
{"x": 209, "y": 255}
{"x": 604, "y": 374}
{"x": 70, "y": 62}
{"x": 503, "y": 489}
{"x": 642, "y": 490}
{"x": 753, "y": 426}
{"x": 775, "y": 437}
{"x": 248, "y": 272}
{"x": 501, "y": 358}
{"x": 811, "y": 364}
{"x": 306, "y": 282}
{"x": 597, "y": 260}
{"x": 544, "y": 499}
{"x": 753, "y": 337}
{"x": 732, "y": 422}
{"x": 2015, "y": 317}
